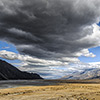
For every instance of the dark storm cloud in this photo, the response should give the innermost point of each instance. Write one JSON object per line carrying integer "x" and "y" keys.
{"x": 49, "y": 29}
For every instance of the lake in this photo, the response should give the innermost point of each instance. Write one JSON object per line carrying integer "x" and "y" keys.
{"x": 17, "y": 83}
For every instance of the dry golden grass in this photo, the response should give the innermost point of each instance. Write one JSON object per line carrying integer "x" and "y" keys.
{"x": 63, "y": 91}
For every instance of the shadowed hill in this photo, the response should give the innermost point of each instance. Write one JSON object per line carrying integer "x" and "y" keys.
{"x": 9, "y": 72}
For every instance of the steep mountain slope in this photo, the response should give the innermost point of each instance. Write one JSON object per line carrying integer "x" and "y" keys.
{"x": 86, "y": 74}
{"x": 9, "y": 72}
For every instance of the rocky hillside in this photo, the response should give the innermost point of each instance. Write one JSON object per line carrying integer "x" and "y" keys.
{"x": 9, "y": 72}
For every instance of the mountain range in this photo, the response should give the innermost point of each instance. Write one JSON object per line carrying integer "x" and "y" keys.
{"x": 9, "y": 72}
{"x": 92, "y": 73}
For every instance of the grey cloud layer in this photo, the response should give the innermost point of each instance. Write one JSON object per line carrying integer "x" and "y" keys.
{"x": 50, "y": 29}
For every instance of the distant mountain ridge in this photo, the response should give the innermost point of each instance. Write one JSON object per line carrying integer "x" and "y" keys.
{"x": 91, "y": 73}
{"x": 9, "y": 72}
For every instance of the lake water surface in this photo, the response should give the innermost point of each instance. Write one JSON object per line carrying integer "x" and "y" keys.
{"x": 17, "y": 83}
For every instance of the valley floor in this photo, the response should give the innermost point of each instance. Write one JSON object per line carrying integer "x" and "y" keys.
{"x": 61, "y": 91}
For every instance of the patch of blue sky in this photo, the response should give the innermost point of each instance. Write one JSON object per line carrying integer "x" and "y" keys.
{"x": 9, "y": 47}
{"x": 95, "y": 51}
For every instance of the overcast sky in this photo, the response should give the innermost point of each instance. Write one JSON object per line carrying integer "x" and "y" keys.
{"x": 50, "y": 36}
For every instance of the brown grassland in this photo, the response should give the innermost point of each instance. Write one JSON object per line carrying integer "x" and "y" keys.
{"x": 63, "y": 90}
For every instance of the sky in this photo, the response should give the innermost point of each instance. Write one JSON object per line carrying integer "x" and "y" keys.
{"x": 95, "y": 51}
{"x": 53, "y": 38}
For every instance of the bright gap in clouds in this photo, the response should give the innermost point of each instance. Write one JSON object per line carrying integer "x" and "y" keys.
{"x": 95, "y": 51}
{"x": 9, "y": 47}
